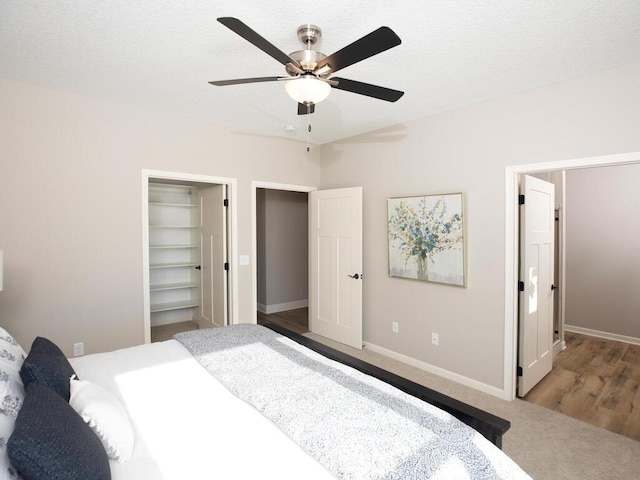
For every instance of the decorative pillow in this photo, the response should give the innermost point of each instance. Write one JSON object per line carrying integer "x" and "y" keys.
{"x": 11, "y": 397}
{"x": 106, "y": 416}
{"x": 47, "y": 365}
{"x": 11, "y": 353}
{"x": 52, "y": 442}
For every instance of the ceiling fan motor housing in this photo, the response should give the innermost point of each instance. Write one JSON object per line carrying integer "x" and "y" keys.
{"x": 307, "y": 58}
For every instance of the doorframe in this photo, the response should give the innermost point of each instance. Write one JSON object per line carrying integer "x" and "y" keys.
{"x": 255, "y": 185}
{"x": 512, "y": 245}
{"x": 232, "y": 236}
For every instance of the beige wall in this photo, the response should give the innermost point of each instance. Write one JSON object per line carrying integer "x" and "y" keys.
{"x": 603, "y": 253}
{"x": 71, "y": 207}
{"x": 467, "y": 150}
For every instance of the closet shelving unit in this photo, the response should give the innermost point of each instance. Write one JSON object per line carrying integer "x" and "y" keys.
{"x": 174, "y": 253}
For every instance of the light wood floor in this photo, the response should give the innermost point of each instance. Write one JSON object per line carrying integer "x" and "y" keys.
{"x": 296, "y": 320}
{"x": 596, "y": 381}
{"x": 166, "y": 332}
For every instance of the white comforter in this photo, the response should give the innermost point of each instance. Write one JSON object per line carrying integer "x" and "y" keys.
{"x": 187, "y": 425}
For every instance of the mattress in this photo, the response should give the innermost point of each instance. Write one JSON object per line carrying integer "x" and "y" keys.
{"x": 211, "y": 413}
{"x": 186, "y": 424}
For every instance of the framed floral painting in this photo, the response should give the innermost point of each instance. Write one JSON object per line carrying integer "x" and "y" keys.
{"x": 426, "y": 238}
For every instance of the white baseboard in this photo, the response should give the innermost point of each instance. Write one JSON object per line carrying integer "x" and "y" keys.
{"x": 461, "y": 379}
{"x": 282, "y": 307}
{"x": 605, "y": 335}
{"x": 558, "y": 347}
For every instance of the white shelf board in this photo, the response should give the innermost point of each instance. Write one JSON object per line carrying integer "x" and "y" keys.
{"x": 162, "y": 204}
{"x": 163, "y": 307}
{"x": 173, "y": 226}
{"x": 172, "y": 286}
{"x": 173, "y": 265}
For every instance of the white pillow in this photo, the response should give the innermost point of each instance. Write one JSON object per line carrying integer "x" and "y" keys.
{"x": 11, "y": 353}
{"x": 105, "y": 415}
{"x": 11, "y": 397}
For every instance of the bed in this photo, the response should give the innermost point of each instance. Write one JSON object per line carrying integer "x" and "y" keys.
{"x": 247, "y": 401}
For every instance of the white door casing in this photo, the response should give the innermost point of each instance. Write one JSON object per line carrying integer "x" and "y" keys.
{"x": 213, "y": 245}
{"x": 535, "y": 328}
{"x": 335, "y": 264}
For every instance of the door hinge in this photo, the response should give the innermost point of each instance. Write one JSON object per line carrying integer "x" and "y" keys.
{"x": 521, "y": 286}
{"x": 226, "y": 266}
{"x": 226, "y": 202}
{"x": 520, "y": 199}
{"x": 519, "y": 371}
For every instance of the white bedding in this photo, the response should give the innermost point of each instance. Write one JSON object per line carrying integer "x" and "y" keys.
{"x": 187, "y": 425}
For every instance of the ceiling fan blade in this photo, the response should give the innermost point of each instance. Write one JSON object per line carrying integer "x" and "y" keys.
{"x": 304, "y": 109}
{"x": 381, "y": 93}
{"x": 251, "y": 36}
{"x": 376, "y": 42}
{"x": 238, "y": 81}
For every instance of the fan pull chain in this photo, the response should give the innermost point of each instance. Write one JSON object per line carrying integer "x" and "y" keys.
{"x": 308, "y": 138}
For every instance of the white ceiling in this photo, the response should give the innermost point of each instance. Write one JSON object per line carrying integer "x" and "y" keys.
{"x": 160, "y": 54}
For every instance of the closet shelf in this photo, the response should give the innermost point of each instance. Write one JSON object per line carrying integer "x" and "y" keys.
{"x": 164, "y": 307}
{"x": 172, "y": 286}
{"x": 173, "y": 226}
{"x": 161, "y": 204}
{"x": 173, "y": 265}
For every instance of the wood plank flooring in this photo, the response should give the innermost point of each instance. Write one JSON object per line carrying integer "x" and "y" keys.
{"x": 166, "y": 332}
{"x": 296, "y": 320}
{"x": 596, "y": 381}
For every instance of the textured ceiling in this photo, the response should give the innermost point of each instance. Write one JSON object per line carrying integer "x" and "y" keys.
{"x": 160, "y": 54}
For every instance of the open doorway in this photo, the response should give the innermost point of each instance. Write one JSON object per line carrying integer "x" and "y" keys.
{"x": 188, "y": 261}
{"x": 512, "y": 247}
{"x": 592, "y": 380}
{"x": 282, "y": 247}
{"x": 334, "y": 260}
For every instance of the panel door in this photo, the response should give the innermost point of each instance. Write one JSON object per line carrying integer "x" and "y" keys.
{"x": 535, "y": 325}
{"x": 213, "y": 242}
{"x": 335, "y": 252}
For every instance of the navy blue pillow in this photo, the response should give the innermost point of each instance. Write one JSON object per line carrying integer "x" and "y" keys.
{"x": 52, "y": 442}
{"x": 47, "y": 365}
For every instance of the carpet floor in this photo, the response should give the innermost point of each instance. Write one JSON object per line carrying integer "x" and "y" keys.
{"x": 545, "y": 443}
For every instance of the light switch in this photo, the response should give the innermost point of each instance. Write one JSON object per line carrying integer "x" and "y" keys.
{"x": 244, "y": 259}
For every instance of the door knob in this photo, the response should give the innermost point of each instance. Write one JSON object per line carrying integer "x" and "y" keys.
{"x": 553, "y": 287}
{"x": 356, "y": 276}
{"x": 198, "y": 267}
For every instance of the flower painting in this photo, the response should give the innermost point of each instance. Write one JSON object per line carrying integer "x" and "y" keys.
{"x": 426, "y": 238}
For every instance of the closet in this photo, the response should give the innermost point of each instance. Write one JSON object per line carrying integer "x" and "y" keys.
{"x": 187, "y": 252}
{"x": 174, "y": 253}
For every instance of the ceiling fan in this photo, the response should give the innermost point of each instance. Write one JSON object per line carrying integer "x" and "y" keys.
{"x": 309, "y": 72}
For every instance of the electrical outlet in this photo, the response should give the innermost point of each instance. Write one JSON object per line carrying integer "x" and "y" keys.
{"x": 435, "y": 339}
{"x": 78, "y": 349}
{"x": 394, "y": 327}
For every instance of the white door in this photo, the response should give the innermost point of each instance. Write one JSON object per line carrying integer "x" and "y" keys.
{"x": 535, "y": 325}
{"x": 335, "y": 273}
{"x": 213, "y": 246}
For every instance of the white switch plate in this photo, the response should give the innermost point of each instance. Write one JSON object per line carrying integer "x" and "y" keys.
{"x": 244, "y": 259}
{"x": 435, "y": 339}
{"x": 394, "y": 327}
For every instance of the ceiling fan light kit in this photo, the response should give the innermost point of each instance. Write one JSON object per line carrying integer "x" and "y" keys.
{"x": 307, "y": 89}
{"x": 308, "y": 81}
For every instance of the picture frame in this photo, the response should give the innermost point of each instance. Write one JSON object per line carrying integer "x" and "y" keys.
{"x": 426, "y": 235}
